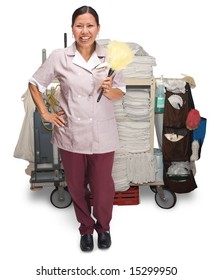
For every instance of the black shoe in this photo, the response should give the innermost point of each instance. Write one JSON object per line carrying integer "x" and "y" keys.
{"x": 104, "y": 240}
{"x": 86, "y": 242}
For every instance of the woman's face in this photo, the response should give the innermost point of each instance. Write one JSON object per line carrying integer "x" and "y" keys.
{"x": 85, "y": 30}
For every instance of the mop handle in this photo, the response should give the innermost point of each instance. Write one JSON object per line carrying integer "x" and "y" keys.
{"x": 65, "y": 40}
{"x": 44, "y": 55}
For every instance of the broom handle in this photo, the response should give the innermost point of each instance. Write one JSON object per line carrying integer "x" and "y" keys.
{"x": 65, "y": 40}
{"x": 102, "y": 91}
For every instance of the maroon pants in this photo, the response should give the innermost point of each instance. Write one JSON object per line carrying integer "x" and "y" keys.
{"x": 94, "y": 170}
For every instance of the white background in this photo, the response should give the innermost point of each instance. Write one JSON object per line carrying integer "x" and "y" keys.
{"x": 35, "y": 233}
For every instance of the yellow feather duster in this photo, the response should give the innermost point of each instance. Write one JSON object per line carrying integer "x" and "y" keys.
{"x": 119, "y": 55}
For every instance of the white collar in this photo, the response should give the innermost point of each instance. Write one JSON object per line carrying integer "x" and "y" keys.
{"x": 90, "y": 64}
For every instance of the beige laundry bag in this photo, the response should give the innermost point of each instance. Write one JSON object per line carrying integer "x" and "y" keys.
{"x": 25, "y": 146}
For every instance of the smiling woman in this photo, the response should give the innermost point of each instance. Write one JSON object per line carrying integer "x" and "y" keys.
{"x": 88, "y": 138}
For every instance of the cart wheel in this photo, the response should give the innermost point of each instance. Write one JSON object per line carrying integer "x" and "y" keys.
{"x": 153, "y": 189}
{"x": 168, "y": 201}
{"x": 60, "y": 199}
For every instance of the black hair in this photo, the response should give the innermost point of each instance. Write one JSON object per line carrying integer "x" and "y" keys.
{"x": 83, "y": 10}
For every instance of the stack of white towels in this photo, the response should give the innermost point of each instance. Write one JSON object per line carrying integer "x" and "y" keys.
{"x": 133, "y": 161}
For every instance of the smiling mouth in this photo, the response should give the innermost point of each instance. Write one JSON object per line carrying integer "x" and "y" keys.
{"x": 84, "y": 38}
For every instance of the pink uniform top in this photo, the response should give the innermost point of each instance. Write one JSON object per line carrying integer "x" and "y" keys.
{"x": 90, "y": 125}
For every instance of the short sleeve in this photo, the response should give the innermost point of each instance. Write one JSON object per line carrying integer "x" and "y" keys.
{"x": 119, "y": 81}
{"x": 46, "y": 72}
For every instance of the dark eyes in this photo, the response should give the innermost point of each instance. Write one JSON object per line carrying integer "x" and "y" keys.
{"x": 82, "y": 26}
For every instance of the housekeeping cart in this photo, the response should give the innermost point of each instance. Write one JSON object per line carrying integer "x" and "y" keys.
{"x": 48, "y": 170}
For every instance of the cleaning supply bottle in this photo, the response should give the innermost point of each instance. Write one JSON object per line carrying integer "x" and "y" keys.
{"x": 160, "y": 97}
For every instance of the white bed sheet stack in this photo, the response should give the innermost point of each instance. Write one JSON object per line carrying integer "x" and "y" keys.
{"x": 133, "y": 161}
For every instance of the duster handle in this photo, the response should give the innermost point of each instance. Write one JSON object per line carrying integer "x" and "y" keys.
{"x": 102, "y": 91}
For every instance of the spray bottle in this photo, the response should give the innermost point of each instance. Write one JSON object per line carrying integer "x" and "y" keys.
{"x": 160, "y": 97}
